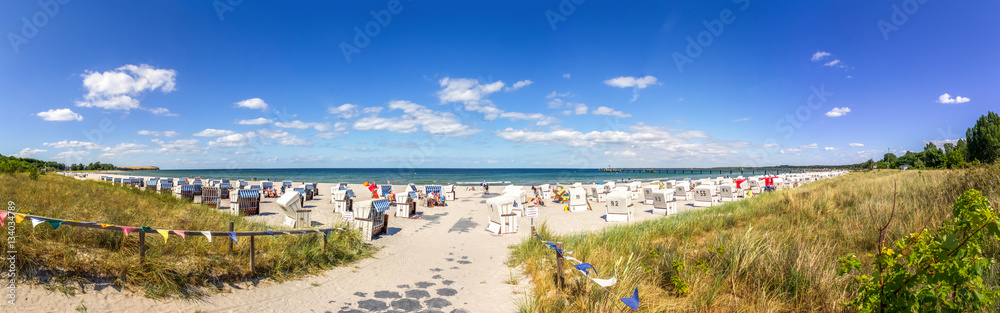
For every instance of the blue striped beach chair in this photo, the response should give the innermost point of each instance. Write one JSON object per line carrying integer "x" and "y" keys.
{"x": 197, "y": 186}
{"x": 210, "y": 196}
{"x": 224, "y": 189}
{"x": 371, "y": 219}
{"x": 165, "y": 187}
{"x": 117, "y": 181}
{"x": 286, "y": 184}
{"x": 429, "y": 191}
{"x": 187, "y": 192}
{"x": 310, "y": 191}
{"x": 247, "y": 202}
{"x": 384, "y": 191}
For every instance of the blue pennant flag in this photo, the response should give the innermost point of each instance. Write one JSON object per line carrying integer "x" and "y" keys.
{"x": 583, "y": 267}
{"x": 539, "y": 237}
{"x": 272, "y": 234}
{"x": 232, "y": 235}
{"x": 633, "y": 301}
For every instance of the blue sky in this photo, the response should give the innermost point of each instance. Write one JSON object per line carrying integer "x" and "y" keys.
{"x": 241, "y": 84}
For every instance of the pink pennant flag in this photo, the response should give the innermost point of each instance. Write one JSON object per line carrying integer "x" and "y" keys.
{"x": 3, "y": 218}
{"x": 179, "y": 233}
{"x": 128, "y": 230}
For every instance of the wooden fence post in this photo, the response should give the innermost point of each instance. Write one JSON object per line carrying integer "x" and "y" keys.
{"x": 253, "y": 260}
{"x": 142, "y": 247}
{"x": 230, "y": 241}
{"x": 559, "y": 265}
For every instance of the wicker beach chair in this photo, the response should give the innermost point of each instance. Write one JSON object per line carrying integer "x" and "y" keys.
{"x": 247, "y": 202}
{"x": 647, "y": 193}
{"x": 705, "y": 196}
{"x": 310, "y": 191}
{"x": 502, "y": 219}
{"x": 287, "y": 184}
{"x": 682, "y": 192}
{"x": 619, "y": 207}
{"x": 728, "y": 192}
{"x": 384, "y": 192}
{"x": 165, "y": 187}
{"x": 577, "y": 199}
{"x": 187, "y": 192}
{"x": 406, "y": 204}
{"x": 341, "y": 200}
{"x": 291, "y": 205}
{"x": 117, "y": 181}
{"x": 597, "y": 191}
{"x": 449, "y": 192}
{"x": 664, "y": 203}
{"x": 210, "y": 196}
{"x": 370, "y": 218}
{"x": 198, "y": 185}
{"x": 303, "y": 192}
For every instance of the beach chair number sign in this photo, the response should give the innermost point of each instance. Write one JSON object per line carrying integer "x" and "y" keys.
{"x": 614, "y": 203}
{"x": 703, "y": 193}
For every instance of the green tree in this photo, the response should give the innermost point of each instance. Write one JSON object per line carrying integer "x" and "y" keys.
{"x": 918, "y": 164}
{"x": 889, "y": 158}
{"x": 963, "y": 148}
{"x": 933, "y": 156}
{"x": 948, "y": 147}
{"x": 984, "y": 138}
{"x": 955, "y": 159}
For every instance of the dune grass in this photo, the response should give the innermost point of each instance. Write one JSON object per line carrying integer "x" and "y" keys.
{"x": 776, "y": 252}
{"x": 69, "y": 257}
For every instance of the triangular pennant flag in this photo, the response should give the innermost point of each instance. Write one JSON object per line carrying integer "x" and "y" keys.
{"x": 165, "y": 233}
{"x": 106, "y": 225}
{"x": 327, "y": 232}
{"x": 35, "y": 221}
{"x": 145, "y": 229}
{"x": 572, "y": 259}
{"x": 606, "y": 282}
{"x": 232, "y": 235}
{"x": 180, "y": 233}
{"x": 271, "y": 233}
{"x": 55, "y": 224}
{"x": 208, "y": 235}
{"x": 539, "y": 237}
{"x": 287, "y": 232}
{"x": 583, "y": 267}
{"x": 633, "y": 301}
{"x": 128, "y": 230}
{"x": 3, "y": 218}
{"x": 18, "y": 218}
{"x": 302, "y": 231}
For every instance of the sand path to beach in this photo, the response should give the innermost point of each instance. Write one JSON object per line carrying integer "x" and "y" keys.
{"x": 442, "y": 261}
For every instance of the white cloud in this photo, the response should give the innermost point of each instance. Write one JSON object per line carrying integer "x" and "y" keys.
{"x": 71, "y": 154}
{"x": 369, "y": 110}
{"x": 345, "y": 110}
{"x": 947, "y": 99}
{"x": 810, "y": 146}
{"x": 742, "y": 119}
{"x": 283, "y": 138}
{"x": 168, "y": 133}
{"x": 771, "y": 145}
{"x": 790, "y": 150}
{"x": 940, "y": 142}
{"x": 73, "y": 144}
{"x": 303, "y": 125}
{"x": 555, "y": 94}
{"x": 855, "y": 144}
{"x": 629, "y": 81}
{"x": 254, "y": 103}
{"x": 465, "y": 90}
{"x": 123, "y": 149}
{"x": 161, "y": 111}
{"x": 60, "y": 115}
{"x": 566, "y": 75}
{"x": 832, "y": 63}
{"x": 415, "y": 117}
{"x": 609, "y": 111}
{"x": 819, "y": 55}
{"x": 838, "y": 112}
{"x": 829, "y": 148}
{"x": 234, "y": 140}
{"x": 213, "y": 133}
{"x": 518, "y": 85}
{"x": 27, "y": 152}
{"x": 180, "y": 146}
{"x": 116, "y": 89}
{"x": 256, "y": 121}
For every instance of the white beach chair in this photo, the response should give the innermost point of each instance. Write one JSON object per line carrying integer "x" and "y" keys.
{"x": 682, "y": 192}
{"x": 370, "y": 218}
{"x": 728, "y": 192}
{"x": 619, "y": 207}
{"x": 705, "y": 196}
{"x": 663, "y": 202}
{"x": 647, "y": 193}
{"x": 597, "y": 191}
{"x": 546, "y": 191}
{"x": 502, "y": 220}
{"x": 634, "y": 189}
{"x": 449, "y": 192}
{"x": 577, "y": 199}
{"x": 340, "y": 199}
{"x": 291, "y": 204}
{"x": 405, "y": 205}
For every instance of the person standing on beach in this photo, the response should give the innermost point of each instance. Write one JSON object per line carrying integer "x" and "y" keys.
{"x": 486, "y": 188}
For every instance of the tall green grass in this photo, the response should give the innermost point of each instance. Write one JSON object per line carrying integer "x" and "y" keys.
{"x": 69, "y": 257}
{"x": 773, "y": 253}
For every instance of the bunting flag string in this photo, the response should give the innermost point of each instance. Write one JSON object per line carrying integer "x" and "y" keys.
{"x": 585, "y": 268}
{"x": 36, "y": 221}
{"x": 208, "y": 235}
{"x": 128, "y": 230}
{"x": 180, "y": 233}
{"x": 55, "y": 224}
{"x": 165, "y": 233}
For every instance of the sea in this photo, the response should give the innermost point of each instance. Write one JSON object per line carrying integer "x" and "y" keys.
{"x": 427, "y": 176}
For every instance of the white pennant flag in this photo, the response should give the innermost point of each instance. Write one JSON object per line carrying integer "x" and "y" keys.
{"x": 606, "y": 282}
{"x": 36, "y": 221}
{"x": 208, "y": 235}
{"x": 572, "y": 259}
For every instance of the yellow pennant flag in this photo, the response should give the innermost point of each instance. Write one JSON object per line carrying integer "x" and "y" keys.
{"x": 18, "y": 218}
{"x": 165, "y": 233}
{"x": 106, "y": 225}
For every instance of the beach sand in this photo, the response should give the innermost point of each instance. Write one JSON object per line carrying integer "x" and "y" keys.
{"x": 444, "y": 260}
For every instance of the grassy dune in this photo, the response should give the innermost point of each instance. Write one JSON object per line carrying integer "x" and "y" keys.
{"x": 773, "y": 253}
{"x": 67, "y": 257}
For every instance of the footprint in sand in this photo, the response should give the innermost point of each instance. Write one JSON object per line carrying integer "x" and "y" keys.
{"x": 424, "y": 284}
{"x": 447, "y": 292}
{"x": 417, "y": 294}
{"x": 385, "y": 294}
{"x": 372, "y": 305}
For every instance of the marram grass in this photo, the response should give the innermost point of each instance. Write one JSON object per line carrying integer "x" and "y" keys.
{"x": 69, "y": 257}
{"x": 773, "y": 253}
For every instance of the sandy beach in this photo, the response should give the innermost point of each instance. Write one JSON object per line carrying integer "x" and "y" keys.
{"x": 443, "y": 260}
